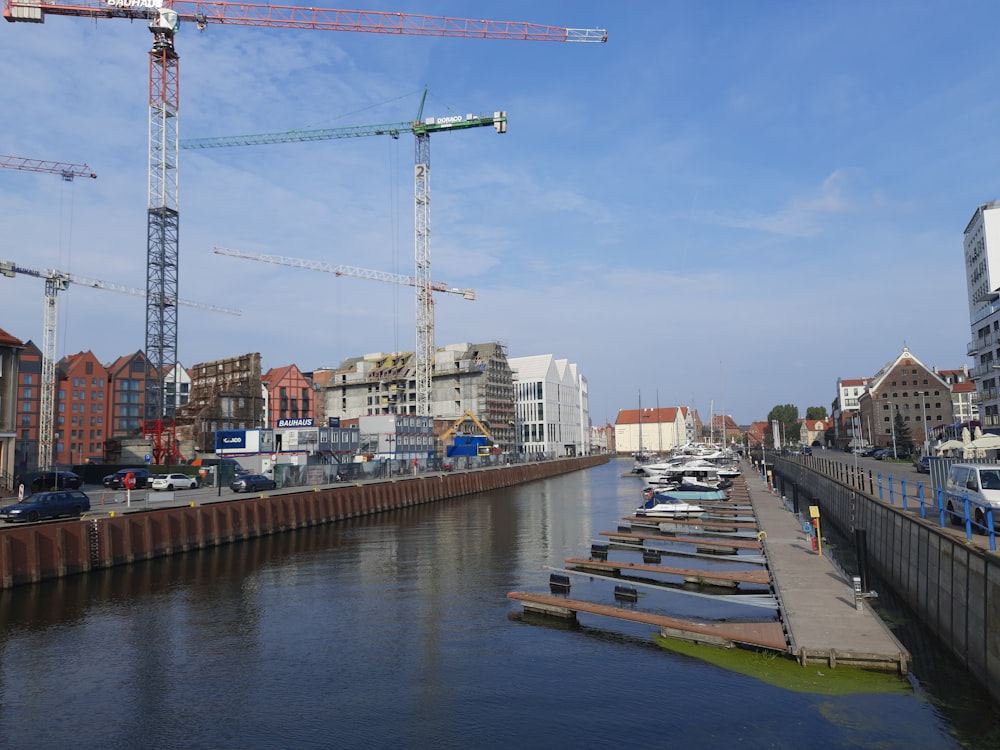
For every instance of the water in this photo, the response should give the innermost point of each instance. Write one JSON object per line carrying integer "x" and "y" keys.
{"x": 396, "y": 632}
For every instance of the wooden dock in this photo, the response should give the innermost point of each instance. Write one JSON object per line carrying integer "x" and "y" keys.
{"x": 821, "y": 619}
{"x": 691, "y": 575}
{"x": 702, "y": 523}
{"x": 706, "y": 542}
{"x": 768, "y": 635}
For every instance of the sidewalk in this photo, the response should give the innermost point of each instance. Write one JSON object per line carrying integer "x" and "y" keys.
{"x": 818, "y": 606}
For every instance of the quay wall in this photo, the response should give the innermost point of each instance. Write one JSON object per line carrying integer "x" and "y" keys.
{"x": 950, "y": 582}
{"x": 39, "y": 552}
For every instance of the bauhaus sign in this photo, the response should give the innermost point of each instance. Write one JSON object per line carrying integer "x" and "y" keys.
{"x": 303, "y": 422}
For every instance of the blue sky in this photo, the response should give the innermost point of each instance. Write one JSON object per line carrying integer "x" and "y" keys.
{"x": 729, "y": 204}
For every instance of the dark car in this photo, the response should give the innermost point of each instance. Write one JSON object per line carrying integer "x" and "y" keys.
{"x": 923, "y": 465}
{"x": 252, "y": 483}
{"x": 36, "y": 481}
{"x": 47, "y": 505}
{"x": 116, "y": 481}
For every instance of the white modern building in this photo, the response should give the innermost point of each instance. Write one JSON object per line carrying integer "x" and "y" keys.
{"x": 981, "y": 245}
{"x": 551, "y": 407}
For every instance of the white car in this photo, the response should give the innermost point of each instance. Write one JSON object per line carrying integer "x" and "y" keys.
{"x": 174, "y": 481}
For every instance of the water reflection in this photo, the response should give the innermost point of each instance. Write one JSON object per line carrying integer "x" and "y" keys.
{"x": 395, "y": 631}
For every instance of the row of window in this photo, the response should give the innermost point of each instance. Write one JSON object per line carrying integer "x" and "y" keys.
{"x": 82, "y": 381}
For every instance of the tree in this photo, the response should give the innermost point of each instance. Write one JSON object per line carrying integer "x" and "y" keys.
{"x": 787, "y": 417}
{"x": 815, "y": 412}
{"x": 904, "y": 440}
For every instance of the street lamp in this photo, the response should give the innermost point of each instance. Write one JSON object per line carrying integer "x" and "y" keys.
{"x": 892, "y": 427}
{"x": 923, "y": 406}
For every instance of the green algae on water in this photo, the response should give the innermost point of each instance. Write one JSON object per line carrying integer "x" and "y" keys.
{"x": 780, "y": 670}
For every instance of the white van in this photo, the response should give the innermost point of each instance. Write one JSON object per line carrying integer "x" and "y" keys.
{"x": 981, "y": 483}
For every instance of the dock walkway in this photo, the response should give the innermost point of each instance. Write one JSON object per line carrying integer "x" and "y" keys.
{"x": 818, "y": 605}
{"x": 821, "y": 618}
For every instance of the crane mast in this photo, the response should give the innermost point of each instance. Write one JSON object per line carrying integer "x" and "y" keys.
{"x": 162, "y": 231}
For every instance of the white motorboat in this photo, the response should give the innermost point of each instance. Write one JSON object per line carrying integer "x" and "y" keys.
{"x": 665, "y": 506}
{"x": 700, "y": 472}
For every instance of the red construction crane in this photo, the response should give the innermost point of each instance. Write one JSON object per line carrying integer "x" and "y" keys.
{"x": 68, "y": 171}
{"x": 164, "y": 17}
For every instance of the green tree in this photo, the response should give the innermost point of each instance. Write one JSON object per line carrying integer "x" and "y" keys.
{"x": 787, "y": 416}
{"x": 816, "y": 412}
{"x": 904, "y": 440}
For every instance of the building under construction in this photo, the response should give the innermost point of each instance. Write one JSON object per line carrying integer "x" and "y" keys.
{"x": 466, "y": 377}
{"x": 226, "y": 394}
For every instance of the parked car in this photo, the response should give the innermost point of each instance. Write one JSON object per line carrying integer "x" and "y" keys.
{"x": 36, "y": 481}
{"x": 923, "y": 465}
{"x": 807, "y": 451}
{"x": 252, "y": 483}
{"x": 980, "y": 483}
{"x": 174, "y": 481}
{"x": 52, "y": 504}
{"x": 116, "y": 481}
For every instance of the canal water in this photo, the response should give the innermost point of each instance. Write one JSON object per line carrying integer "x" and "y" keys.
{"x": 395, "y": 632}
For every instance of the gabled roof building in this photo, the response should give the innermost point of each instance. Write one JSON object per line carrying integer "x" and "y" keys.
{"x": 652, "y": 430}
{"x": 904, "y": 386}
{"x": 552, "y": 408}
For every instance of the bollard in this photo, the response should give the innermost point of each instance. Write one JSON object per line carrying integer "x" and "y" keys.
{"x": 861, "y": 551}
{"x": 559, "y": 583}
{"x": 626, "y": 593}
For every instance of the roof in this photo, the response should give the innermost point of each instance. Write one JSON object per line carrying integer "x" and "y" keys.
{"x": 649, "y": 416}
{"x": 7, "y": 339}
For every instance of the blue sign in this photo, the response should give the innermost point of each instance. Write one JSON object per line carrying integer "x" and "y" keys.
{"x": 227, "y": 440}
{"x": 334, "y": 422}
{"x": 148, "y": 458}
{"x": 303, "y": 422}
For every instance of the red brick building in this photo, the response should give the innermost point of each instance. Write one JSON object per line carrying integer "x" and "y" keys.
{"x": 289, "y": 394}
{"x": 81, "y": 405}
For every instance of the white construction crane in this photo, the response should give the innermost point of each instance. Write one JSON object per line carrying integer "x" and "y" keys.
{"x": 425, "y": 289}
{"x": 55, "y": 282}
{"x": 66, "y": 169}
{"x": 338, "y": 269}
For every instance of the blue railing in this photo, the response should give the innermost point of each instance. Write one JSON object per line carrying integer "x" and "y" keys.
{"x": 968, "y": 512}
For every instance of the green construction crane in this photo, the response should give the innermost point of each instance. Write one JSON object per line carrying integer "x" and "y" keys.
{"x": 421, "y": 128}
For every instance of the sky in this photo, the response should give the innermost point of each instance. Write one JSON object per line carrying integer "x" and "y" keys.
{"x": 727, "y": 206}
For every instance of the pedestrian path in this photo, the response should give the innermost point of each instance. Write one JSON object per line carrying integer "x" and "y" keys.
{"x": 824, "y": 620}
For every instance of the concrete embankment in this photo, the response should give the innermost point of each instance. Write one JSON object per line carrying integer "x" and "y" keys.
{"x": 951, "y": 582}
{"x": 38, "y": 552}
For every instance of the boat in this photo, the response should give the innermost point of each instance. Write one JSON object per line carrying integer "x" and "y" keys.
{"x": 699, "y": 496}
{"x": 667, "y": 506}
{"x": 697, "y": 473}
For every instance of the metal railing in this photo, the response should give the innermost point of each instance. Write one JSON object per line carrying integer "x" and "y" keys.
{"x": 930, "y": 500}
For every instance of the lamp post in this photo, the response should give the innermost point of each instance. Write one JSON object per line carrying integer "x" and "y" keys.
{"x": 855, "y": 424}
{"x": 892, "y": 427}
{"x": 923, "y": 407}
